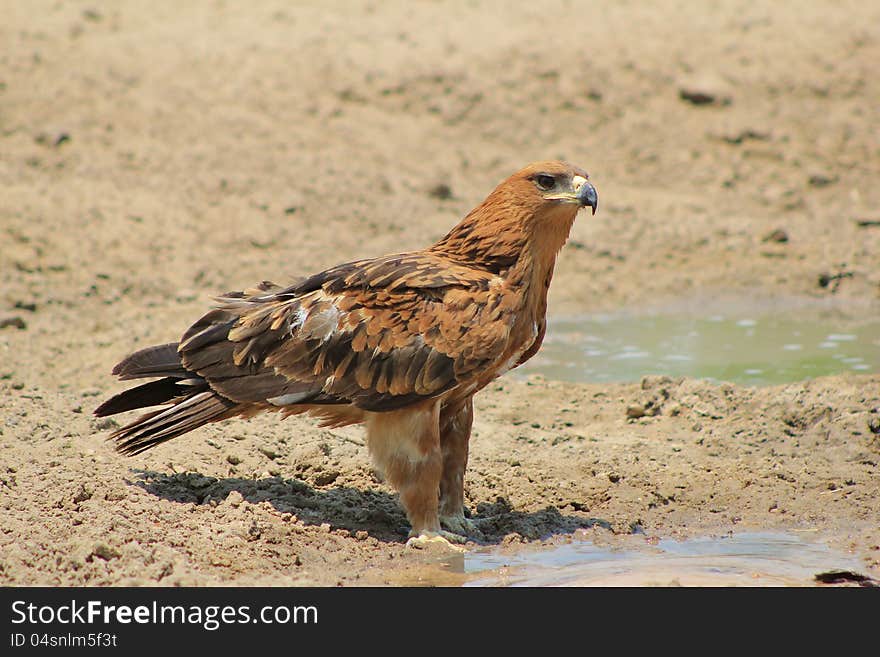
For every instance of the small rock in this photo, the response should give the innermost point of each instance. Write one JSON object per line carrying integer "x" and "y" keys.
{"x": 326, "y": 477}
{"x": 233, "y": 459}
{"x": 821, "y": 180}
{"x": 874, "y": 425}
{"x": 116, "y": 494}
{"x": 696, "y": 96}
{"x": 745, "y": 135}
{"x": 833, "y": 280}
{"x": 441, "y": 191}
{"x": 844, "y": 576}
{"x": 30, "y": 306}
{"x": 106, "y": 423}
{"x": 103, "y": 551}
{"x": 14, "y": 321}
{"x": 650, "y": 381}
{"x": 361, "y": 535}
{"x": 234, "y": 498}
{"x": 703, "y": 92}
{"x": 613, "y": 477}
{"x": 54, "y": 139}
{"x": 709, "y": 412}
{"x": 82, "y": 494}
{"x": 673, "y": 409}
{"x": 778, "y": 235}
{"x": 254, "y": 531}
{"x": 635, "y": 411}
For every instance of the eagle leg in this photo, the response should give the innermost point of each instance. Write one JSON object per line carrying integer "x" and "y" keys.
{"x": 456, "y": 421}
{"x": 405, "y": 447}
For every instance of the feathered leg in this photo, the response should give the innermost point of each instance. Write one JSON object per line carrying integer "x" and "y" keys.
{"x": 455, "y": 433}
{"x": 405, "y": 447}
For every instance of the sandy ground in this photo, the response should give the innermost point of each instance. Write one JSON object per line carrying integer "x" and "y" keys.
{"x": 152, "y": 155}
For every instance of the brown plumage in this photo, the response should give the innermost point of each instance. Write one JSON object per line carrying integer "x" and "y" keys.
{"x": 399, "y": 343}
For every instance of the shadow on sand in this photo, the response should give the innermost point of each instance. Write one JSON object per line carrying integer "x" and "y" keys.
{"x": 375, "y": 511}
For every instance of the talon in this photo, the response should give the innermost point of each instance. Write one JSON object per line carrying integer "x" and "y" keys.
{"x": 457, "y": 523}
{"x": 443, "y": 539}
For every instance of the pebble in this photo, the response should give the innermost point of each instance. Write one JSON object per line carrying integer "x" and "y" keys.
{"x": 104, "y": 551}
{"x": 441, "y": 191}
{"x": 635, "y": 411}
{"x": 703, "y": 92}
{"x": 745, "y": 135}
{"x": 54, "y": 139}
{"x": 673, "y": 409}
{"x": 696, "y": 96}
{"x": 821, "y": 180}
{"x": 82, "y": 494}
{"x": 14, "y": 321}
{"x": 235, "y": 498}
{"x": 326, "y": 477}
{"x": 779, "y": 236}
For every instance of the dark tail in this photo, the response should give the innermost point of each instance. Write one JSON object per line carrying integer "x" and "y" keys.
{"x": 193, "y": 403}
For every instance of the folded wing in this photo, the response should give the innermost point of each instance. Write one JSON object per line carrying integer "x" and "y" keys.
{"x": 378, "y": 334}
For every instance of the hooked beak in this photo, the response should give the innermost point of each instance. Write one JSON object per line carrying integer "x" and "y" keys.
{"x": 586, "y": 193}
{"x": 582, "y": 192}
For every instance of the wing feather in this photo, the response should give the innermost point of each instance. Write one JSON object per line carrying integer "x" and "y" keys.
{"x": 379, "y": 334}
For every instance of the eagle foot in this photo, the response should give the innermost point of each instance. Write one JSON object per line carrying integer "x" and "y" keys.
{"x": 427, "y": 539}
{"x": 456, "y": 522}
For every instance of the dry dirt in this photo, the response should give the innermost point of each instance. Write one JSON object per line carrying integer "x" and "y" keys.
{"x": 155, "y": 154}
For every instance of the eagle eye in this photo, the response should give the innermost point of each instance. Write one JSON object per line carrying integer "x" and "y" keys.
{"x": 545, "y": 181}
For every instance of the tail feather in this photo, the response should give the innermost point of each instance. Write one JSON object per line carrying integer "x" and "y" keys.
{"x": 193, "y": 403}
{"x": 161, "y": 360}
{"x": 147, "y": 394}
{"x": 159, "y": 426}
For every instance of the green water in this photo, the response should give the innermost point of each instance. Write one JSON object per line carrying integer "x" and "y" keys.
{"x": 760, "y": 350}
